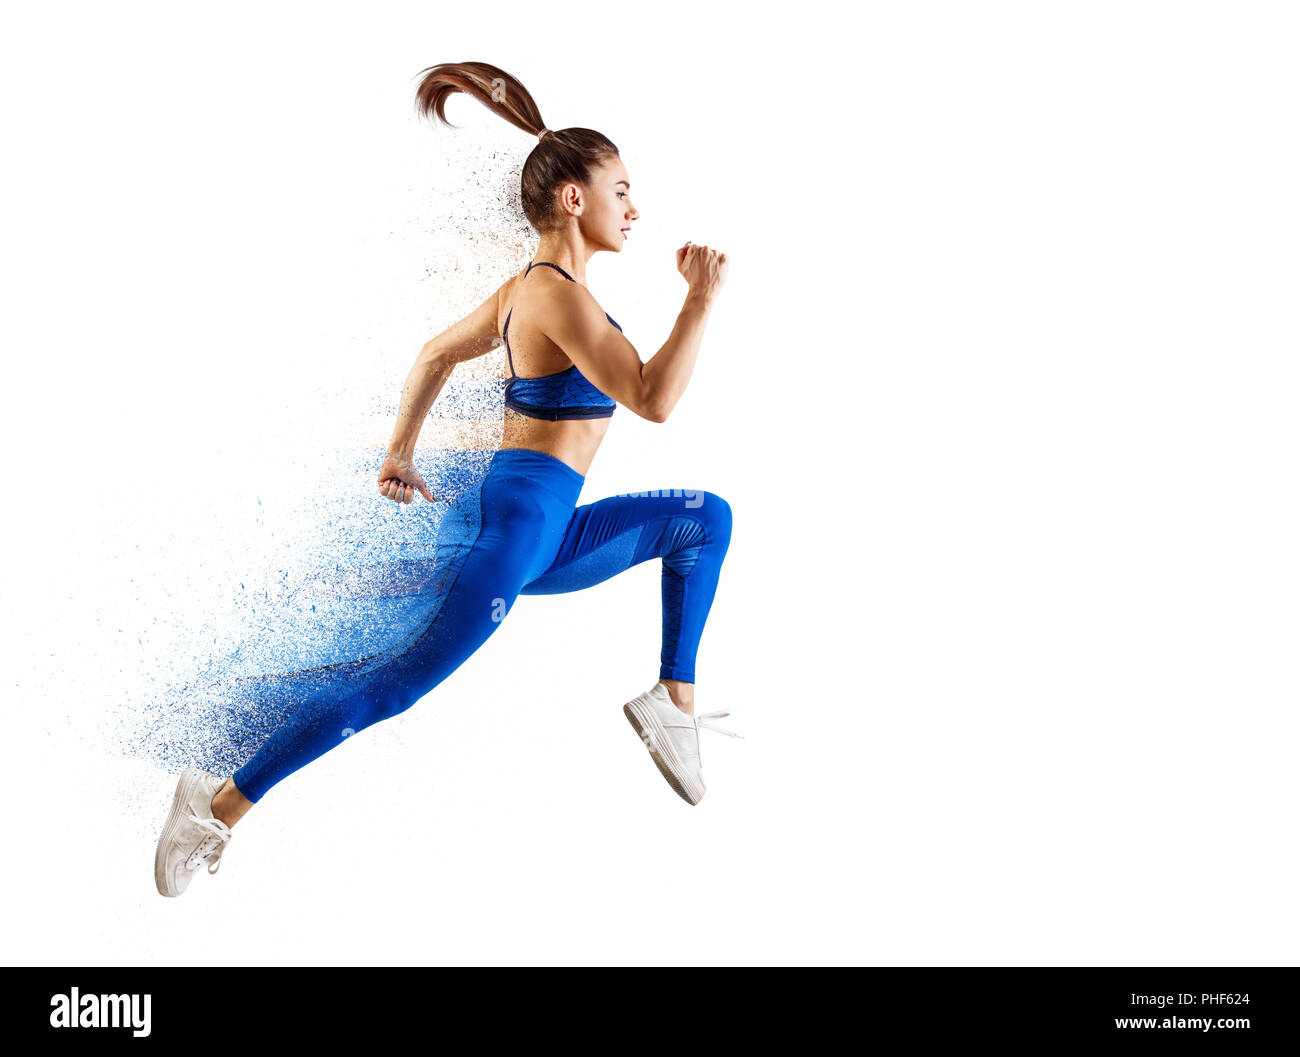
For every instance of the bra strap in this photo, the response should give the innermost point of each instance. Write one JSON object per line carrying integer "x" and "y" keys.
{"x": 550, "y": 265}
{"x": 505, "y": 337}
{"x": 505, "y": 331}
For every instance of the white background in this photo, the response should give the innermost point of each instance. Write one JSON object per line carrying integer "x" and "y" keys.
{"x": 1001, "y": 390}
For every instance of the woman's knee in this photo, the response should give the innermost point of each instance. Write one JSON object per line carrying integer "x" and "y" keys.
{"x": 715, "y": 512}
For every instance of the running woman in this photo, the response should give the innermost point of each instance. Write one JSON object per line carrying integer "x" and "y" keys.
{"x": 570, "y": 364}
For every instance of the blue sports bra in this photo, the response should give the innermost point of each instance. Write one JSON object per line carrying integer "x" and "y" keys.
{"x": 566, "y": 394}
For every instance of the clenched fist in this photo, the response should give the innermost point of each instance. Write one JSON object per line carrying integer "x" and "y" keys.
{"x": 399, "y": 480}
{"x": 704, "y": 269}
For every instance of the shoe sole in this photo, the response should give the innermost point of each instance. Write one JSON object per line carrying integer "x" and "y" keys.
{"x": 648, "y": 730}
{"x": 190, "y": 778}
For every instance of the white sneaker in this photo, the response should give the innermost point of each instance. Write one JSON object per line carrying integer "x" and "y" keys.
{"x": 191, "y": 837}
{"x": 673, "y": 739}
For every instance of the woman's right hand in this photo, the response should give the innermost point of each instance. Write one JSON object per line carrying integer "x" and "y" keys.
{"x": 704, "y": 270}
{"x": 399, "y": 480}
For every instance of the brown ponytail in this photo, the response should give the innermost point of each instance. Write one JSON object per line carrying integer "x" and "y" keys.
{"x": 566, "y": 155}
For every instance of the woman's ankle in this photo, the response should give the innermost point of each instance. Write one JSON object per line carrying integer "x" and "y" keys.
{"x": 229, "y": 804}
{"x": 681, "y": 694}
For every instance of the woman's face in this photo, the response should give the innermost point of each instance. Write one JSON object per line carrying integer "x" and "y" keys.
{"x": 607, "y": 215}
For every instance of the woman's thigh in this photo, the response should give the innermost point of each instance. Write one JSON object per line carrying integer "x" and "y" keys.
{"x": 606, "y": 537}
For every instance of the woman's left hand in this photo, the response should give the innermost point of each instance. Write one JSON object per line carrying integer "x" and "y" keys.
{"x": 399, "y": 480}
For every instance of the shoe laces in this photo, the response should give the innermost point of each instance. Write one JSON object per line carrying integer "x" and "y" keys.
{"x": 703, "y": 721}
{"x": 700, "y": 721}
{"x": 217, "y": 831}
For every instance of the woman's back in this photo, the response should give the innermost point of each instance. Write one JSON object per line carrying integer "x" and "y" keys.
{"x": 550, "y": 405}
{"x": 554, "y": 395}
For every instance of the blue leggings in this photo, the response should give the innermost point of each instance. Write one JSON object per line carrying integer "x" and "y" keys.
{"x": 524, "y": 536}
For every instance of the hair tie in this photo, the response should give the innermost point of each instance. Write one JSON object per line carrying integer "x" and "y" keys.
{"x": 544, "y": 132}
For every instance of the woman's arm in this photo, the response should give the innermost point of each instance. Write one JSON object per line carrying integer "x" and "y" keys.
{"x": 473, "y": 336}
{"x": 577, "y": 324}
